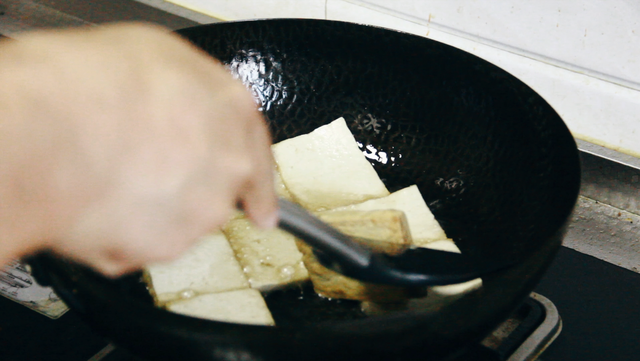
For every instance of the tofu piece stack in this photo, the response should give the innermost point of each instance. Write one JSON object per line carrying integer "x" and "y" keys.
{"x": 324, "y": 171}
{"x": 423, "y": 225}
{"x": 208, "y": 282}
{"x": 321, "y": 170}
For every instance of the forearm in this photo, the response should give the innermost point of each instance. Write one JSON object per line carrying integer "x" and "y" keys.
{"x": 40, "y": 187}
{"x": 22, "y": 203}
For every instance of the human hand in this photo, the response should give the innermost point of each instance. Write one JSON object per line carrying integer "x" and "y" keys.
{"x": 127, "y": 144}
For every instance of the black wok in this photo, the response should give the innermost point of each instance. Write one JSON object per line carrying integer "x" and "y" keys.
{"x": 493, "y": 160}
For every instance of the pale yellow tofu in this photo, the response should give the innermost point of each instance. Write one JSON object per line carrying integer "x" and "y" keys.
{"x": 281, "y": 189}
{"x": 444, "y": 245}
{"x": 422, "y": 224}
{"x": 241, "y": 306}
{"x": 209, "y": 266}
{"x": 325, "y": 169}
{"x": 269, "y": 258}
{"x": 454, "y": 290}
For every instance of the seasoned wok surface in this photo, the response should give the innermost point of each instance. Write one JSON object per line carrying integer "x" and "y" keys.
{"x": 492, "y": 159}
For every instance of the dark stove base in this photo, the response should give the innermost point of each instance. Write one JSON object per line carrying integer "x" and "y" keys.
{"x": 600, "y": 307}
{"x": 27, "y": 335}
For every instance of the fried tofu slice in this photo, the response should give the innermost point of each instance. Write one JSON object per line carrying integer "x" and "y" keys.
{"x": 269, "y": 258}
{"x": 384, "y": 230}
{"x": 209, "y": 266}
{"x": 422, "y": 224}
{"x": 388, "y": 231}
{"x": 244, "y": 306}
{"x": 325, "y": 169}
{"x": 454, "y": 290}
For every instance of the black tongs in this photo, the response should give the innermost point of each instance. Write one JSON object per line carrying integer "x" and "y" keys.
{"x": 413, "y": 267}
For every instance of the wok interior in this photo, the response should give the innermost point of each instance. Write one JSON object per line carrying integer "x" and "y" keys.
{"x": 493, "y": 161}
{"x": 491, "y": 158}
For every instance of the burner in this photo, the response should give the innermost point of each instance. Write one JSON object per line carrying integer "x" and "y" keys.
{"x": 524, "y": 335}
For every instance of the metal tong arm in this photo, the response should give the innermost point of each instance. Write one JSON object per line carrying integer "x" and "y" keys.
{"x": 321, "y": 236}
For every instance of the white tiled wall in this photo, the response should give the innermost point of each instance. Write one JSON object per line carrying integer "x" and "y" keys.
{"x": 595, "y": 36}
{"x": 256, "y": 9}
{"x": 583, "y": 57}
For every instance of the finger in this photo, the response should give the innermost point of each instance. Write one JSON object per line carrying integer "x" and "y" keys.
{"x": 259, "y": 202}
{"x": 258, "y": 196}
{"x": 114, "y": 268}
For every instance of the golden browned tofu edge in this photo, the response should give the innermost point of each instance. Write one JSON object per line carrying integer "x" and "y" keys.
{"x": 389, "y": 231}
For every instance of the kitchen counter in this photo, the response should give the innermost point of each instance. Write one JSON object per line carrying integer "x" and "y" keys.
{"x": 598, "y": 303}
